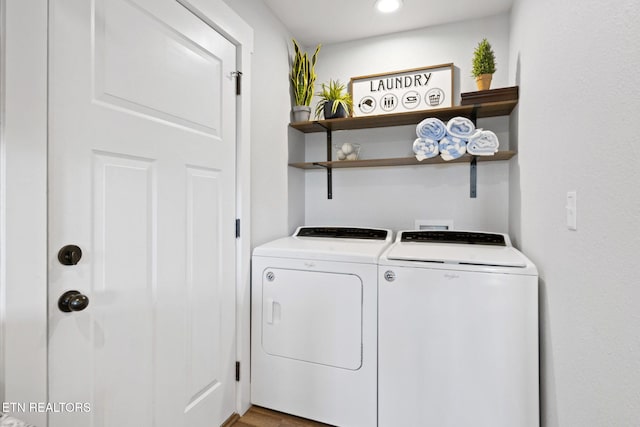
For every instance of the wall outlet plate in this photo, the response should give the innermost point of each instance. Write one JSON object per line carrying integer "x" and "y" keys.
{"x": 572, "y": 210}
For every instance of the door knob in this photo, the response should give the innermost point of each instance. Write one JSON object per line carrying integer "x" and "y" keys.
{"x": 69, "y": 255}
{"x": 73, "y": 301}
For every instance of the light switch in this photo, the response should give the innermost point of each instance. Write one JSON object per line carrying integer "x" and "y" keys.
{"x": 572, "y": 210}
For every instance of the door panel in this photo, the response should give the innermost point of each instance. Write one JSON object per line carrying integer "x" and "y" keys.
{"x": 123, "y": 258}
{"x": 142, "y": 178}
{"x": 168, "y": 76}
{"x": 203, "y": 261}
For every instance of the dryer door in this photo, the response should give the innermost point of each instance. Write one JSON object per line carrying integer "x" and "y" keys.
{"x": 312, "y": 316}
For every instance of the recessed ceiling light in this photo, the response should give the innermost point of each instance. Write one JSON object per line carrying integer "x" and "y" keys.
{"x": 388, "y": 6}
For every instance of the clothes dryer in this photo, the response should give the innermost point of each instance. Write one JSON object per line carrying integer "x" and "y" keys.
{"x": 314, "y": 324}
{"x": 458, "y": 332}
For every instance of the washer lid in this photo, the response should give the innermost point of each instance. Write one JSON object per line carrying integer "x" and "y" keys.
{"x": 499, "y": 256}
{"x": 456, "y": 247}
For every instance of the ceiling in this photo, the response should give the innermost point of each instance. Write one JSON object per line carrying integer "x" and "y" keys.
{"x": 334, "y": 21}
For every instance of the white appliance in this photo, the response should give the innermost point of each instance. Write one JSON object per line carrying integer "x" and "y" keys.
{"x": 458, "y": 332}
{"x": 314, "y": 324}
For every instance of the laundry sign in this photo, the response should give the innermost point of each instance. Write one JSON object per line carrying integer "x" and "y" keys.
{"x": 403, "y": 91}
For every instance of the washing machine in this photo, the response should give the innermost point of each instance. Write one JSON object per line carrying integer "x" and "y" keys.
{"x": 458, "y": 332}
{"x": 314, "y": 324}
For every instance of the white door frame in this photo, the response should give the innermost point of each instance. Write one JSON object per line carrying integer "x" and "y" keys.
{"x": 23, "y": 196}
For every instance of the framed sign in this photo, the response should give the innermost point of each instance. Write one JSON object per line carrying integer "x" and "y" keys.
{"x": 402, "y": 91}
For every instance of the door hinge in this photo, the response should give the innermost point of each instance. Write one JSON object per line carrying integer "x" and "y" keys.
{"x": 238, "y": 76}
{"x": 237, "y": 227}
{"x": 237, "y": 371}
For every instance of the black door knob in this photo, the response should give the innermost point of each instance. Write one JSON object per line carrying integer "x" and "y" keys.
{"x": 69, "y": 255}
{"x": 73, "y": 301}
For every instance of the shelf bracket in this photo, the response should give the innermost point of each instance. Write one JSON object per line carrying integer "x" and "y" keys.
{"x": 473, "y": 165}
{"x": 329, "y": 169}
{"x": 473, "y": 177}
{"x": 474, "y": 115}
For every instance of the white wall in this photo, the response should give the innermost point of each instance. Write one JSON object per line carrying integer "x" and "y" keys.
{"x": 419, "y": 48}
{"x": 395, "y": 197}
{"x": 274, "y": 194}
{"x": 577, "y": 66}
{"x": 296, "y": 180}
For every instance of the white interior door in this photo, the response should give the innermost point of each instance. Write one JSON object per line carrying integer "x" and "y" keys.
{"x": 142, "y": 179}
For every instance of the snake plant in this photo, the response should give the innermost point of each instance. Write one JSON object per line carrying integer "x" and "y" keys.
{"x": 303, "y": 75}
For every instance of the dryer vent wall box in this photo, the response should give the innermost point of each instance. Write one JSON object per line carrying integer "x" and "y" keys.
{"x": 458, "y": 328}
{"x": 433, "y": 224}
{"x": 314, "y": 324}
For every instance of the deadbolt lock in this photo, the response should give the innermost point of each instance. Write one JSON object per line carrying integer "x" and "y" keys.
{"x": 69, "y": 255}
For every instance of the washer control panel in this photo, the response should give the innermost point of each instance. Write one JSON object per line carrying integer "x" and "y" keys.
{"x": 461, "y": 237}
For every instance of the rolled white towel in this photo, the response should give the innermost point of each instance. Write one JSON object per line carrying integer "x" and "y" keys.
{"x": 425, "y": 148}
{"x": 452, "y": 148}
{"x": 431, "y": 128}
{"x": 461, "y": 127}
{"x": 483, "y": 143}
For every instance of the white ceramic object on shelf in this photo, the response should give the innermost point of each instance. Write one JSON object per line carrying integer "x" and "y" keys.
{"x": 347, "y": 151}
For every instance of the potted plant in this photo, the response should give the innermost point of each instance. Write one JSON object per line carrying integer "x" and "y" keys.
{"x": 303, "y": 77}
{"x": 334, "y": 101}
{"x": 484, "y": 65}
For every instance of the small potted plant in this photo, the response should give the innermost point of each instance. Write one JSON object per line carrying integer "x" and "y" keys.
{"x": 335, "y": 101}
{"x": 484, "y": 65}
{"x": 303, "y": 77}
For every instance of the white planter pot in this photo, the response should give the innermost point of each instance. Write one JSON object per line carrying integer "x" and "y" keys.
{"x": 301, "y": 113}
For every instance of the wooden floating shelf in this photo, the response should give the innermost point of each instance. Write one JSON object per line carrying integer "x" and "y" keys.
{"x": 486, "y": 109}
{"x": 487, "y": 103}
{"x": 400, "y": 161}
{"x": 492, "y": 95}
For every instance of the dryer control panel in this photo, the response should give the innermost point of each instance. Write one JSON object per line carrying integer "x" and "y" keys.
{"x": 343, "y": 233}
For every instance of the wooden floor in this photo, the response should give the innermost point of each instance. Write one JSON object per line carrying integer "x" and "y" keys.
{"x": 262, "y": 417}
